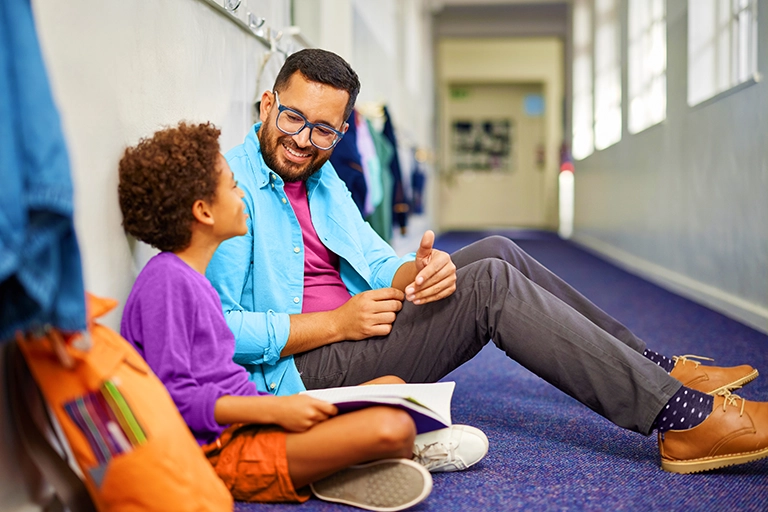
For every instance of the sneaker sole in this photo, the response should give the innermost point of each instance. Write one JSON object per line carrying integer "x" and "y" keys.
{"x": 383, "y": 485}
{"x": 735, "y": 384}
{"x": 709, "y": 463}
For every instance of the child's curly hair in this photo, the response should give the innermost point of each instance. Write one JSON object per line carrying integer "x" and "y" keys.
{"x": 162, "y": 177}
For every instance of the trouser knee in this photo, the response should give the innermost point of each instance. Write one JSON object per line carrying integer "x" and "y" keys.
{"x": 502, "y": 248}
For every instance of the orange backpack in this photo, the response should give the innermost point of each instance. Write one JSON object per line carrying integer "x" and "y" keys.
{"x": 128, "y": 439}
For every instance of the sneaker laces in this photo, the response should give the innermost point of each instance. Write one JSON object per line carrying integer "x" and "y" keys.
{"x": 435, "y": 454}
{"x": 731, "y": 399}
{"x": 690, "y": 357}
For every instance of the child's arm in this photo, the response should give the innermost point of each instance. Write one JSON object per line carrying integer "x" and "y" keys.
{"x": 295, "y": 413}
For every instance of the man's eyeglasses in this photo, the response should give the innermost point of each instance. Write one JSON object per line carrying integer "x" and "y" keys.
{"x": 291, "y": 122}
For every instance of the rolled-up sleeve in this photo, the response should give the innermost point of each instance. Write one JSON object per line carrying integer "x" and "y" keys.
{"x": 380, "y": 256}
{"x": 259, "y": 337}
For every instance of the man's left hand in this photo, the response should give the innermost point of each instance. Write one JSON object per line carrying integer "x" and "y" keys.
{"x": 436, "y": 273}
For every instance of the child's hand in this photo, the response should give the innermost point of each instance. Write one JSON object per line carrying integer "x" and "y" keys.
{"x": 297, "y": 413}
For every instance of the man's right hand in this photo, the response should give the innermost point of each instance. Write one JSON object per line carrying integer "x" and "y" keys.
{"x": 368, "y": 314}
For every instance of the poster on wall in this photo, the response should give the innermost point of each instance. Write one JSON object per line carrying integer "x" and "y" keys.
{"x": 482, "y": 145}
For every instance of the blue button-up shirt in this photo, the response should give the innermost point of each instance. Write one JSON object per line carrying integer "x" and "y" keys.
{"x": 260, "y": 276}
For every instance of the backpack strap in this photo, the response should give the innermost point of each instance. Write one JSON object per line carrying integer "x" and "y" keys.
{"x": 69, "y": 488}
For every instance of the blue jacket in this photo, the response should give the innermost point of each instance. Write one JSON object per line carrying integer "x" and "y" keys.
{"x": 260, "y": 276}
{"x": 40, "y": 273}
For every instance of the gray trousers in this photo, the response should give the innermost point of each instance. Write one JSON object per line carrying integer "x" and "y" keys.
{"x": 536, "y": 318}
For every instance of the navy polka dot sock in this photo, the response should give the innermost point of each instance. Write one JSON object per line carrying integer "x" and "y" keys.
{"x": 686, "y": 409}
{"x": 659, "y": 359}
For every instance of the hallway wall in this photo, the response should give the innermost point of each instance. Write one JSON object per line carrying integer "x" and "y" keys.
{"x": 121, "y": 70}
{"x": 685, "y": 202}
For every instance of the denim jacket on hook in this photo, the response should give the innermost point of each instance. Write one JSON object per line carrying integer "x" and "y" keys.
{"x": 40, "y": 273}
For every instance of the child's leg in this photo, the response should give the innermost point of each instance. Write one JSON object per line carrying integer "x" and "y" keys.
{"x": 369, "y": 434}
{"x": 387, "y": 379}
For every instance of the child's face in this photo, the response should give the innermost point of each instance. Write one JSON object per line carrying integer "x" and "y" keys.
{"x": 228, "y": 207}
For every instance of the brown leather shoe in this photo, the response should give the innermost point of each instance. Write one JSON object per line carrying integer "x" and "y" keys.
{"x": 734, "y": 433}
{"x": 710, "y": 379}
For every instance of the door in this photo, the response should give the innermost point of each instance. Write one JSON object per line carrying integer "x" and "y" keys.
{"x": 493, "y": 147}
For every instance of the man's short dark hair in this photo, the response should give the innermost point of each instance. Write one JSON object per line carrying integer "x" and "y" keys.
{"x": 323, "y": 67}
{"x": 162, "y": 177}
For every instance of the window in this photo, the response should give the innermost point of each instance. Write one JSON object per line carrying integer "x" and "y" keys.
{"x": 722, "y": 46}
{"x": 583, "y": 118}
{"x": 647, "y": 64}
{"x": 607, "y": 74}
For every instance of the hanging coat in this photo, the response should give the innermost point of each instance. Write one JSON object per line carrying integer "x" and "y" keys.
{"x": 346, "y": 161}
{"x": 40, "y": 273}
{"x": 400, "y": 203}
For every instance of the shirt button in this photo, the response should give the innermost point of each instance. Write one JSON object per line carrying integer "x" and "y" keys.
{"x": 284, "y": 201}
{"x": 272, "y": 386}
{"x": 273, "y": 185}
{"x": 296, "y": 250}
{"x": 274, "y": 176}
{"x": 295, "y": 300}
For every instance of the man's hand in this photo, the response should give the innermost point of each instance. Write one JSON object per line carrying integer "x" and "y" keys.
{"x": 368, "y": 314}
{"x": 297, "y": 413}
{"x": 436, "y": 273}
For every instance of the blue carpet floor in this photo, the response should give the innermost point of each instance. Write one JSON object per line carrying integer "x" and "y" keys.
{"x": 547, "y": 451}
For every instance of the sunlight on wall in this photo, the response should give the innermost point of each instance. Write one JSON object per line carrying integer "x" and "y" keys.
{"x": 566, "y": 192}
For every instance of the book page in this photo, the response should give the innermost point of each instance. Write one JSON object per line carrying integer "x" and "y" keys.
{"x": 435, "y": 396}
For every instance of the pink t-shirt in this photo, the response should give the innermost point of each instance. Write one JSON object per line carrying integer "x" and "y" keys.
{"x": 323, "y": 288}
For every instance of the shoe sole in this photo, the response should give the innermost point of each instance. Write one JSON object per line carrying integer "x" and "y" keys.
{"x": 736, "y": 384}
{"x": 384, "y": 485}
{"x": 709, "y": 463}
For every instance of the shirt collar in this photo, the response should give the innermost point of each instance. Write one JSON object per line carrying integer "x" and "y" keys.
{"x": 261, "y": 172}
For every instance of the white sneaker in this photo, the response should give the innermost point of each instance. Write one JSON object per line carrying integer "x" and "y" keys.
{"x": 383, "y": 485}
{"x": 450, "y": 449}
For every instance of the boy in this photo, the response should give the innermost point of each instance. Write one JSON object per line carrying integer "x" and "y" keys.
{"x": 178, "y": 194}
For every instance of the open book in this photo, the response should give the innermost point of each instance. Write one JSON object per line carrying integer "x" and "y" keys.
{"x": 428, "y": 404}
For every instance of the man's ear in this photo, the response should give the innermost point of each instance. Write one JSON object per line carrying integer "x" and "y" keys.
{"x": 345, "y": 128}
{"x": 202, "y": 212}
{"x": 266, "y": 105}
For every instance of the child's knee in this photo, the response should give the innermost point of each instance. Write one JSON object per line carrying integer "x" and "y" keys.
{"x": 394, "y": 430}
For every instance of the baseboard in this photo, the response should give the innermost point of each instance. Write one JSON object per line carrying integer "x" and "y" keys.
{"x": 728, "y": 304}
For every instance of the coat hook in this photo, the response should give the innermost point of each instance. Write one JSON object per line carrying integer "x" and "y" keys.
{"x": 255, "y": 21}
{"x": 231, "y": 5}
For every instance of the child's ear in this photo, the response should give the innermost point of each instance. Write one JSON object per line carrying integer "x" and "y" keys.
{"x": 202, "y": 212}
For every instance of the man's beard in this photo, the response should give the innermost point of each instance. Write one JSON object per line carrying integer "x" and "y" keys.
{"x": 288, "y": 170}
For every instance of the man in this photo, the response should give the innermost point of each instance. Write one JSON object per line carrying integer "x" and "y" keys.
{"x": 316, "y": 299}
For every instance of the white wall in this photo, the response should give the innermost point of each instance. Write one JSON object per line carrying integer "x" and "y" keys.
{"x": 121, "y": 70}
{"x": 685, "y": 202}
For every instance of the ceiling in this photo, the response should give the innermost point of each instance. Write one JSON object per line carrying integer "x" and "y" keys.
{"x": 500, "y": 18}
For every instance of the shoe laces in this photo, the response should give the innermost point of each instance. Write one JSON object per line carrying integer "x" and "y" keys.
{"x": 690, "y": 357}
{"x": 731, "y": 399}
{"x": 434, "y": 454}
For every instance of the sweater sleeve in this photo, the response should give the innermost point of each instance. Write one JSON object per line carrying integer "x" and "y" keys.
{"x": 168, "y": 329}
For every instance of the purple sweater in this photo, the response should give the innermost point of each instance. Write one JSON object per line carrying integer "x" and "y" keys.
{"x": 173, "y": 317}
